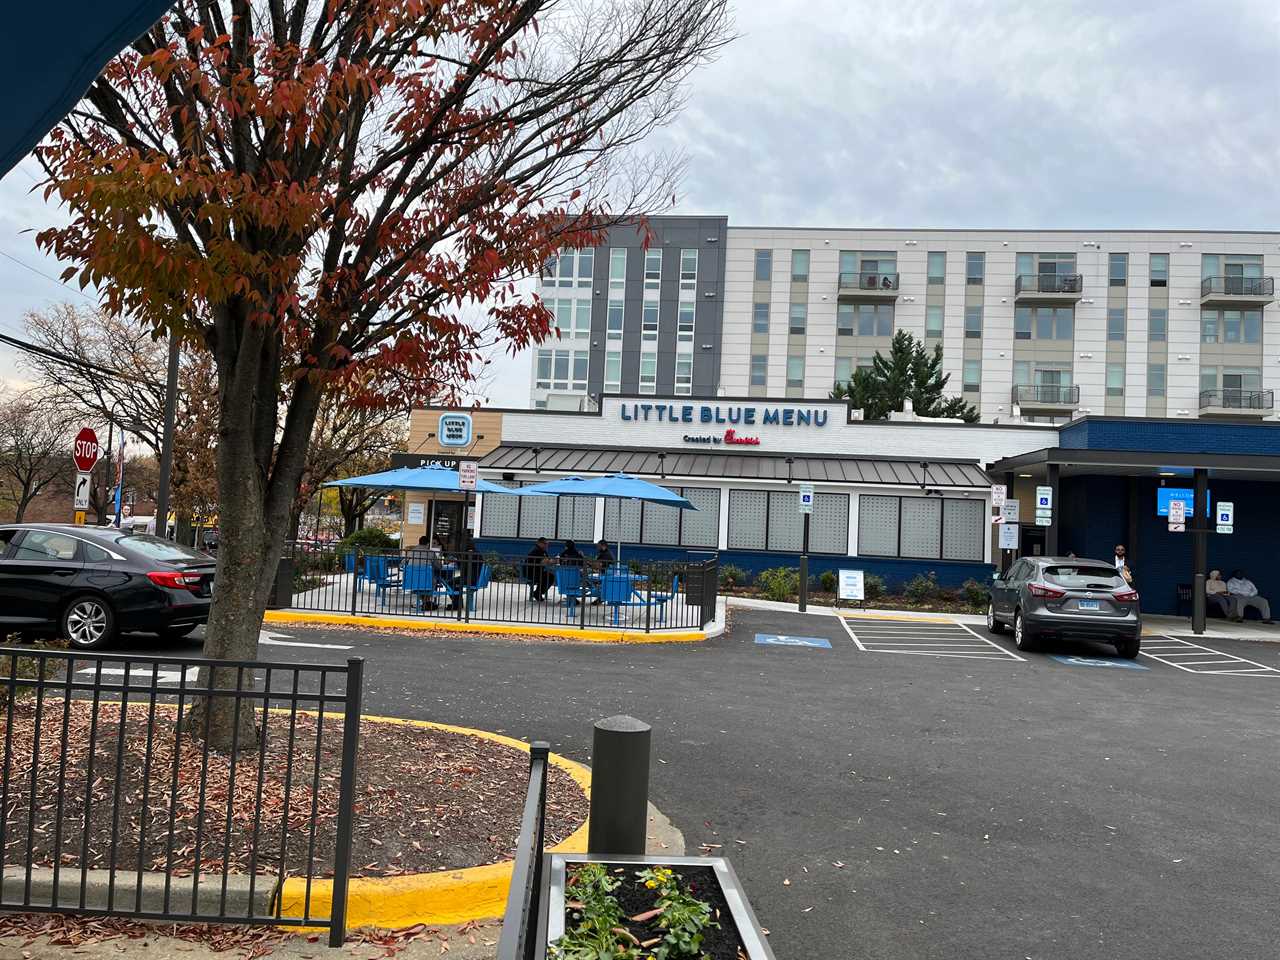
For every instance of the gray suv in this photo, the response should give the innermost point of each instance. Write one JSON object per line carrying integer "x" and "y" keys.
{"x": 1065, "y": 596}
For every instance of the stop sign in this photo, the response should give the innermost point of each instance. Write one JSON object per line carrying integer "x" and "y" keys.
{"x": 86, "y": 451}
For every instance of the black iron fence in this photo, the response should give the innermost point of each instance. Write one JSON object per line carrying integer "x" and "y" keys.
{"x": 1238, "y": 399}
{"x": 524, "y": 934}
{"x": 116, "y": 804}
{"x": 492, "y": 588}
{"x": 1048, "y": 283}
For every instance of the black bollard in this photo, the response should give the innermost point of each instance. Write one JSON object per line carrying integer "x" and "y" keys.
{"x": 619, "y": 786}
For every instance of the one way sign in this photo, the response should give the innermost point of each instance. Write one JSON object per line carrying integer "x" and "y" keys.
{"x": 83, "y": 482}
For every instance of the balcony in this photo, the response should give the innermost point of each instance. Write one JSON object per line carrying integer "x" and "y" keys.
{"x": 1237, "y": 404}
{"x": 868, "y": 285}
{"x": 1041, "y": 287}
{"x": 1046, "y": 399}
{"x": 1249, "y": 291}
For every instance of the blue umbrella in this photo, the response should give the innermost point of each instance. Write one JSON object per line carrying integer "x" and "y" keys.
{"x": 435, "y": 478}
{"x": 616, "y": 486}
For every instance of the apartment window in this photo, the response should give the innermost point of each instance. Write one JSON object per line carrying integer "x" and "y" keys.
{"x": 1231, "y": 326}
{"x": 613, "y": 372}
{"x": 1115, "y": 379}
{"x": 1022, "y": 323}
{"x": 684, "y": 324}
{"x": 684, "y": 374}
{"x": 798, "y": 319}
{"x": 1158, "y": 324}
{"x": 648, "y": 373}
{"x": 844, "y": 369}
{"x": 569, "y": 268}
{"x": 1118, "y": 269}
{"x": 875, "y": 319}
{"x": 543, "y": 378}
{"x": 972, "y": 376}
{"x": 937, "y": 267}
{"x": 1159, "y": 269}
{"x": 649, "y": 322}
{"x": 617, "y": 269}
{"x": 933, "y": 320}
{"x": 1232, "y": 331}
{"x": 688, "y": 274}
{"x": 1050, "y": 323}
{"x": 799, "y": 266}
{"x": 975, "y": 268}
{"x": 652, "y": 273}
{"x": 613, "y": 320}
{"x": 573, "y": 318}
{"x": 1155, "y": 380}
{"x": 562, "y": 370}
{"x": 760, "y": 318}
{"x": 973, "y": 322}
{"x": 845, "y": 313}
{"x": 1115, "y": 323}
{"x": 1241, "y": 378}
{"x": 1252, "y": 326}
{"x": 795, "y": 371}
{"x": 759, "y": 370}
{"x": 1208, "y": 378}
{"x": 764, "y": 264}
{"x": 1208, "y": 326}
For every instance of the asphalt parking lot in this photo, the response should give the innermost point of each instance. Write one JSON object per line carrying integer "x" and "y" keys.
{"x": 952, "y": 799}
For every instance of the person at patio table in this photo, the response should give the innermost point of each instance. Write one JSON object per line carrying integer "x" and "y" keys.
{"x": 467, "y": 569}
{"x": 1245, "y": 594}
{"x": 602, "y": 561}
{"x": 536, "y": 572}
{"x": 422, "y": 552}
{"x": 571, "y": 556}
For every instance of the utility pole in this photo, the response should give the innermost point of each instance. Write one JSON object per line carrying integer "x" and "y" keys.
{"x": 166, "y": 442}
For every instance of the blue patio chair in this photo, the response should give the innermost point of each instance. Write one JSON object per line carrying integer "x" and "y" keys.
{"x": 660, "y": 600}
{"x": 482, "y": 583}
{"x": 572, "y": 586}
{"x": 377, "y": 570}
{"x": 419, "y": 580}
{"x": 616, "y": 590}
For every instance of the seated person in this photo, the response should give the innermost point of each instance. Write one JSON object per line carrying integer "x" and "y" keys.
{"x": 604, "y": 556}
{"x": 1245, "y": 594}
{"x": 422, "y": 552}
{"x": 1215, "y": 590}
{"x": 536, "y": 571}
{"x": 571, "y": 555}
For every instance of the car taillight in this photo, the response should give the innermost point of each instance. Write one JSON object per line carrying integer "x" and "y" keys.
{"x": 175, "y": 579}
{"x": 1126, "y": 596}
{"x": 1049, "y": 593}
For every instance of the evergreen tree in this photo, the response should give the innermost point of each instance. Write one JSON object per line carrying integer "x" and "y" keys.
{"x": 910, "y": 372}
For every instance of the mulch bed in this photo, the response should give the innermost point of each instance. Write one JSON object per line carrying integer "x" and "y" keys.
{"x": 426, "y": 799}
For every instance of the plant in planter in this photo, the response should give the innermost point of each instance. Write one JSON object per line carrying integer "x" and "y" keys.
{"x": 779, "y": 583}
{"x": 827, "y": 580}
{"x": 731, "y": 576}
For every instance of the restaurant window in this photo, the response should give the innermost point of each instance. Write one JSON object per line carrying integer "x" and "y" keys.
{"x": 964, "y": 528}
{"x": 799, "y": 266}
{"x": 921, "y": 527}
{"x": 537, "y": 517}
{"x": 701, "y": 527}
{"x": 937, "y": 266}
{"x": 1159, "y": 269}
{"x": 650, "y": 523}
{"x": 920, "y": 534}
{"x": 829, "y": 524}
{"x": 785, "y": 527}
{"x": 659, "y": 525}
{"x": 877, "y": 526}
{"x": 500, "y": 516}
{"x": 621, "y": 520}
{"x": 748, "y": 512}
{"x": 760, "y": 318}
{"x": 576, "y": 518}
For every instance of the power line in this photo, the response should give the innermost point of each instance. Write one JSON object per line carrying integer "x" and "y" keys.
{"x": 76, "y": 361}
{"x": 41, "y": 273}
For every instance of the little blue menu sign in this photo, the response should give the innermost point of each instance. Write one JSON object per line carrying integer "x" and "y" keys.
{"x": 732, "y": 416}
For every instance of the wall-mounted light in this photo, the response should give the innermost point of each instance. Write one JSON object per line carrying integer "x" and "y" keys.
{"x": 1185, "y": 243}
{"x": 536, "y": 467}
{"x": 662, "y": 464}
{"x": 789, "y": 462}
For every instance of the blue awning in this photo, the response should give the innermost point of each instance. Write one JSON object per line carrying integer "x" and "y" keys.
{"x": 50, "y": 53}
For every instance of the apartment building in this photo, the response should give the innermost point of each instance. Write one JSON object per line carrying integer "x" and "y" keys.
{"x": 1034, "y": 325}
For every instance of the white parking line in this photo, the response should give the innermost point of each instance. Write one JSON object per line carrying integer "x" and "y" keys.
{"x": 925, "y": 638}
{"x": 1174, "y": 652}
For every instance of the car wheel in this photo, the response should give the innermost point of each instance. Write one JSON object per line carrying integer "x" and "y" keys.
{"x": 176, "y": 633}
{"x": 993, "y": 625}
{"x": 1023, "y": 638}
{"x": 1129, "y": 648}
{"x": 88, "y": 622}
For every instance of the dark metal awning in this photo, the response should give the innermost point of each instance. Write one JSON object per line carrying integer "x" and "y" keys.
{"x": 804, "y": 468}
{"x": 1139, "y": 463}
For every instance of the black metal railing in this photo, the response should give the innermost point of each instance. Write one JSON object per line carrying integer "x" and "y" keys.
{"x": 493, "y": 588}
{"x": 1047, "y": 393}
{"x": 868, "y": 280}
{"x": 523, "y": 934}
{"x": 1234, "y": 399}
{"x": 1238, "y": 286}
{"x": 115, "y": 804}
{"x": 1048, "y": 283}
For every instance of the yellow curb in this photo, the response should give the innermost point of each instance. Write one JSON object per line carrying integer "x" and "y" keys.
{"x": 444, "y": 897}
{"x": 924, "y": 617}
{"x": 514, "y": 629}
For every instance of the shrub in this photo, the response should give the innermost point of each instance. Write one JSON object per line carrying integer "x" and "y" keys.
{"x": 367, "y": 540}
{"x": 973, "y": 593}
{"x": 922, "y": 587}
{"x": 731, "y": 576}
{"x": 827, "y": 580}
{"x": 779, "y": 583}
{"x": 872, "y": 586}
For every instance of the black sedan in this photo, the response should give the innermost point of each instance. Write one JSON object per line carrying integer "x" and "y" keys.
{"x": 89, "y": 584}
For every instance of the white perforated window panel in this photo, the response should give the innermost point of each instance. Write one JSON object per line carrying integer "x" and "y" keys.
{"x": 747, "y": 511}
{"x": 499, "y": 515}
{"x": 829, "y": 525}
{"x": 878, "y": 526}
{"x": 629, "y": 512}
{"x": 921, "y": 527}
{"x": 537, "y": 517}
{"x": 661, "y": 524}
{"x": 963, "y": 530}
{"x": 577, "y": 519}
{"x": 701, "y": 527}
{"x": 785, "y": 531}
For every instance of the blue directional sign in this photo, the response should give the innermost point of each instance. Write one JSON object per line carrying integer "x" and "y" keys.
{"x": 1075, "y": 661}
{"x": 782, "y": 640}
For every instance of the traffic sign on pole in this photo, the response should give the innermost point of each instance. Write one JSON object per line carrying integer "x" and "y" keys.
{"x": 84, "y": 482}
{"x": 998, "y": 494}
{"x": 86, "y": 452}
{"x": 1011, "y": 510}
{"x": 467, "y": 474}
{"x": 806, "y": 498}
{"x": 1009, "y": 536}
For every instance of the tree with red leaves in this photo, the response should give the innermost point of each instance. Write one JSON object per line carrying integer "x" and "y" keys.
{"x": 312, "y": 190}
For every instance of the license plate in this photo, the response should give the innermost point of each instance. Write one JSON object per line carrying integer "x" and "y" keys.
{"x": 1090, "y": 605}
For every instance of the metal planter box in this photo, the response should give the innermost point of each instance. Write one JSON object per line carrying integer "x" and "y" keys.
{"x": 744, "y": 918}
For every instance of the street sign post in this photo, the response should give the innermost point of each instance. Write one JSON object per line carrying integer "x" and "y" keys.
{"x": 85, "y": 451}
{"x": 1177, "y": 516}
{"x": 467, "y": 474}
{"x": 806, "y": 498}
{"x": 83, "y": 485}
{"x": 1226, "y": 516}
{"x": 1009, "y": 536}
{"x": 999, "y": 493}
{"x": 1011, "y": 510}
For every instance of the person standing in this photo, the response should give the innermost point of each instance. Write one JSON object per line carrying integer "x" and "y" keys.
{"x": 536, "y": 572}
{"x": 1245, "y": 595}
{"x": 1122, "y": 564}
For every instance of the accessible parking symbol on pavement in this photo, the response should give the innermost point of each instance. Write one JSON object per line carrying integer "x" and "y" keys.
{"x": 783, "y": 640}
{"x": 1078, "y": 661}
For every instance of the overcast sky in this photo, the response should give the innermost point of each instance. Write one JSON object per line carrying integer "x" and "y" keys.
{"x": 955, "y": 114}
